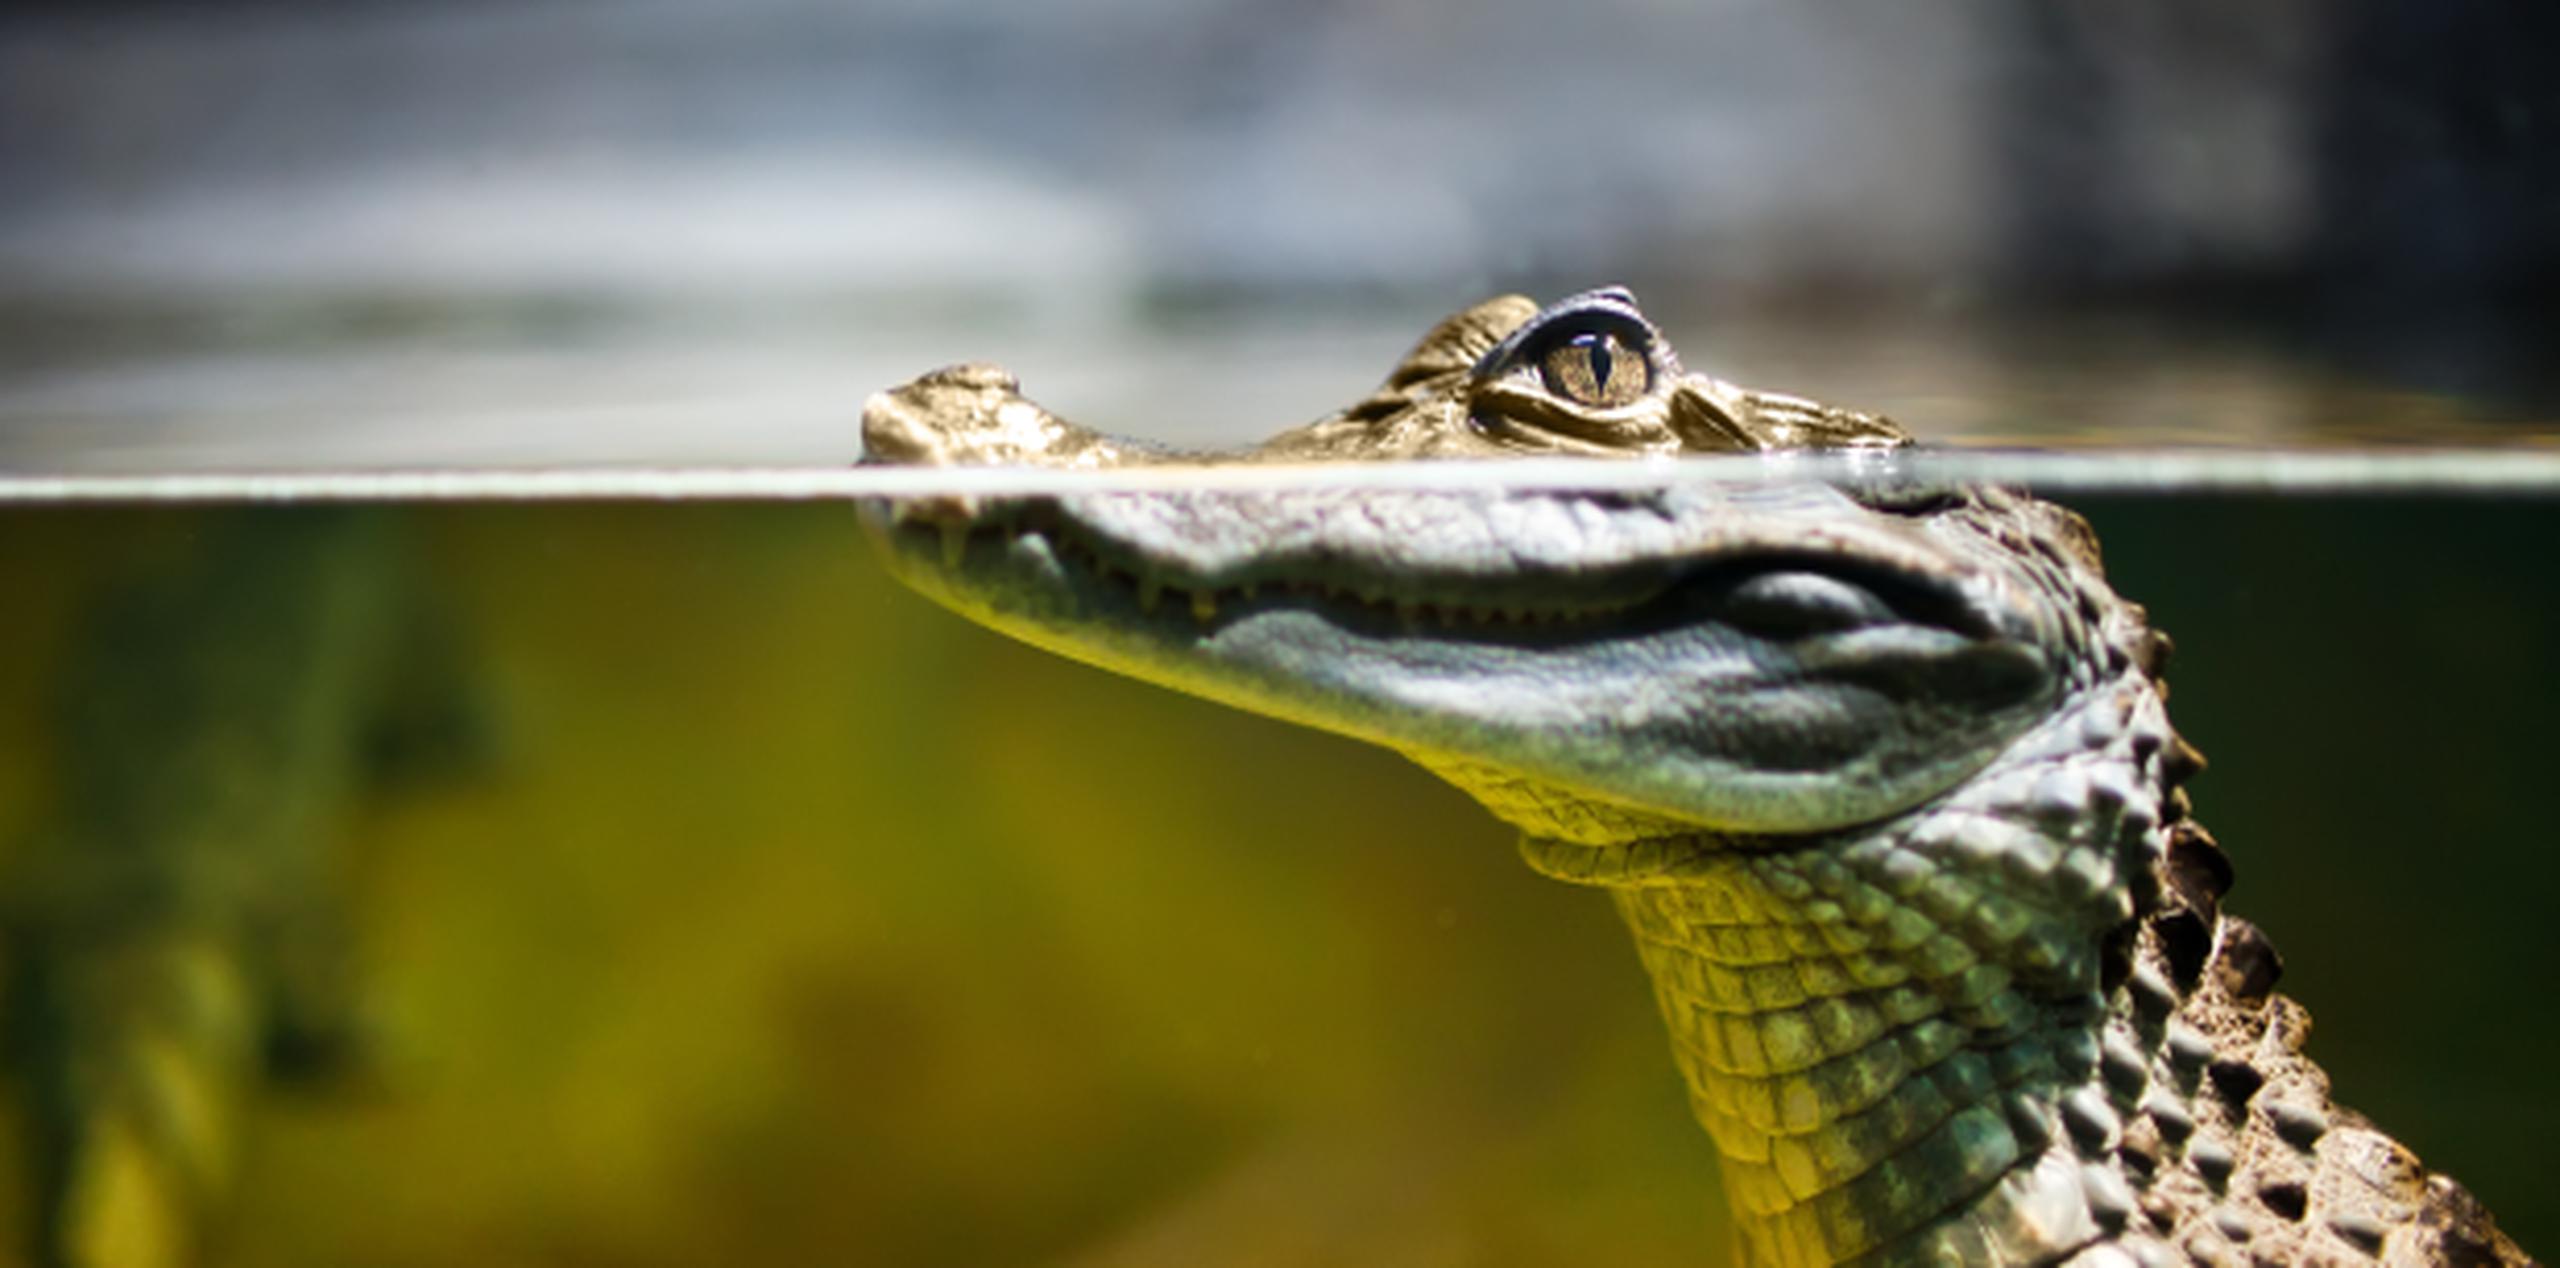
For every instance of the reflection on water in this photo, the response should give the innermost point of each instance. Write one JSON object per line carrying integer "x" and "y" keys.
{"x": 289, "y": 388}
{"x": 547, "y": 231}
{"x": 670, "y": 888}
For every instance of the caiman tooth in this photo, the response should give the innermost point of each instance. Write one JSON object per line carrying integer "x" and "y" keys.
{"x": 955, "y": 544}
{"x": 940, "y": 508}
{"x": 1204, "y": 605}
{"x": 1150, "y": 594}
{"x": 1249, "y": 589}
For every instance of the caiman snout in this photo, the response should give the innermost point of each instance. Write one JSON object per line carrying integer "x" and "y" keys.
{"x": 930, "y": 421}
{"x": 973, "y": 414}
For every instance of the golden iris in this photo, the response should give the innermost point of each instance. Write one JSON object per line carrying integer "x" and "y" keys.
{"x": 1596, "y": 369}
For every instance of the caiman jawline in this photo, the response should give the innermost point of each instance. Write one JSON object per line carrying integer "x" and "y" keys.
{"x": 1381, "y": 601}
{"x": 1415, "y": 597}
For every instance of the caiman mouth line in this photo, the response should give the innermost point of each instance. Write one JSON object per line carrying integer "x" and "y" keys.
{"x": 1390, "y": 602}
{"x": 1630, "y": 597}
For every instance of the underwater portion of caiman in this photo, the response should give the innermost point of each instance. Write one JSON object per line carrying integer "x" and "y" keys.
{"x": 1880, "y": 776}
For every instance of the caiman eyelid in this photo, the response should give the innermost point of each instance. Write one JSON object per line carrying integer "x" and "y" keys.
{"x": 1610, "y": 310}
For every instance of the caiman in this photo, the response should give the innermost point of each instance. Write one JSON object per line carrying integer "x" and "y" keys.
{"x": 1880, "y": 776}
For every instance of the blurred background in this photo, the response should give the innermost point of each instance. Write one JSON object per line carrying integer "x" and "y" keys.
{"x": 641, "y": 885}
{"x": 284, "y": 234}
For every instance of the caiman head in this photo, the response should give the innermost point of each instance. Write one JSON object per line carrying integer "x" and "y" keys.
{"x": 1751, "y": 658}
{"x": 1879, "y": 773}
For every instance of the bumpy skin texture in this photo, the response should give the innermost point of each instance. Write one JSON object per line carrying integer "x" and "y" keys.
{"x": 1881, "y": 778}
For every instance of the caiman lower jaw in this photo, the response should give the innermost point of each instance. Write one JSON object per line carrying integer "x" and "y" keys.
{"x": 1744, "y": 678}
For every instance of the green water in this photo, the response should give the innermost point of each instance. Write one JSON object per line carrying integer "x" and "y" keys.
{"x": 737, "y": 906}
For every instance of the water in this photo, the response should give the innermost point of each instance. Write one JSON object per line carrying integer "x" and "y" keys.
{"x": 658, "y": 883}
{"x": 650, "y": 881}
{"x": 695, "y": 893}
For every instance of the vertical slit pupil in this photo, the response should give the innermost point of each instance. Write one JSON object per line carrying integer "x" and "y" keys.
{"x": 1596, "y": 347}
{"x": 1595, "y": 368}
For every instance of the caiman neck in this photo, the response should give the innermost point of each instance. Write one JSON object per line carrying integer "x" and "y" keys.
{"x": 1896, "y": 1035}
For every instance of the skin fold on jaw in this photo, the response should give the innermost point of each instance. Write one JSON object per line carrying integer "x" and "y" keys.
{"x": 1881, "y": 777}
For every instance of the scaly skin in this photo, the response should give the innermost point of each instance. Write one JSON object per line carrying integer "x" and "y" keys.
{"x": 1881, "y": 777}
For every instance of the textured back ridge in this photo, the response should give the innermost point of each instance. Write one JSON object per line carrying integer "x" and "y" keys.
{"x": 2014, "y": 1025}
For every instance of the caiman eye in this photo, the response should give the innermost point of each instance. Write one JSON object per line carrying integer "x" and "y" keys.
{"x": 1596, "y": 368}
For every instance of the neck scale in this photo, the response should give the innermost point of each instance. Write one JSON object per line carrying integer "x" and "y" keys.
{"x": 1887, "y": 1033}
